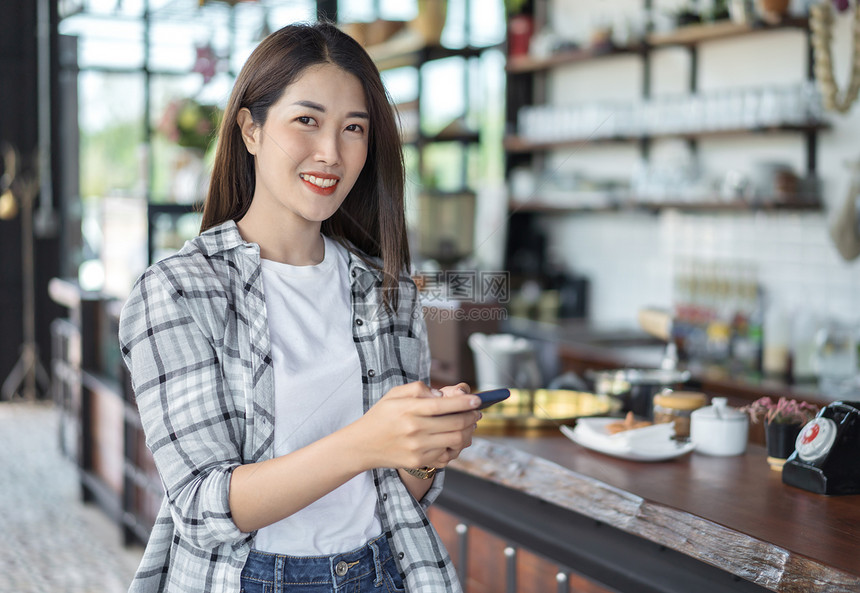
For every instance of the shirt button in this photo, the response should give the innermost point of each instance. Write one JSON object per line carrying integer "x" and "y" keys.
{"x": 371, "y": 373}
{"x": 341, "y": 568}
{"x": 353, "y": 273}
{"x": 359, "y": 322}
{"x": 400, "y": 555}
{"x": 384, "y": 497}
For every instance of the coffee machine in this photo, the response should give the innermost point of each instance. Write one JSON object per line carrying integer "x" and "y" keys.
{"x": 826, "y": 459}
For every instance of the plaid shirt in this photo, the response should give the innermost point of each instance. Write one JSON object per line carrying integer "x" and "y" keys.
{"x": 195, "y": 337}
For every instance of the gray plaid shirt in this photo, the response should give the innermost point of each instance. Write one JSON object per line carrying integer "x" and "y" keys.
{"x": 195, "y": 337}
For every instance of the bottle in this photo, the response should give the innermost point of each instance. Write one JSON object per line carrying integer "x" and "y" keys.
{"x": 747, "y": 344}
{"x": 803, "y": 346}
{"x": 775, "y": 359}
{"x": 836, "y": 356}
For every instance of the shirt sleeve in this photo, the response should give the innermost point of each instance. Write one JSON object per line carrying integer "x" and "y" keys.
{"x": 419, "y": 330}
{"x": 191, "y": 423}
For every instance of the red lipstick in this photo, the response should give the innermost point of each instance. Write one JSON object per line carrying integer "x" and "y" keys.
{"x": 323, "y": 184}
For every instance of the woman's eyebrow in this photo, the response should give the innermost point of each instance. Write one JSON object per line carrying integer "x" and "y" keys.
{"x": 321, "y": 109}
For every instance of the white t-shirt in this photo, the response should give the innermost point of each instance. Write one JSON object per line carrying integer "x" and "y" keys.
{"x": 318, "y": 390}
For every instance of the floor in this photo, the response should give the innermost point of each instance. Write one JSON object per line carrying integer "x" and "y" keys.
{"x": 49, "y": 540}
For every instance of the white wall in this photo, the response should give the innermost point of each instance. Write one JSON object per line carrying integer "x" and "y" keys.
{"x": 630, "y": 257}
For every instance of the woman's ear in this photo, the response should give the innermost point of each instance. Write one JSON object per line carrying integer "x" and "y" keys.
{"x": 249, "y": 129}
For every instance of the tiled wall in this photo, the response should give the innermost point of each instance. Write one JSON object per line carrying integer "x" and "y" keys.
{"x": 631, "y": 257}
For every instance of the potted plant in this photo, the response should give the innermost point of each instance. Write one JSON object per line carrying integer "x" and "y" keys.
{"x": 783, "y": 421}
{"x": 513, "y": 7}
{"x": 190, "y": 124}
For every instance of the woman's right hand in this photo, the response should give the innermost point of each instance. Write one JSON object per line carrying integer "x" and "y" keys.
{"x": 412, "y": 426}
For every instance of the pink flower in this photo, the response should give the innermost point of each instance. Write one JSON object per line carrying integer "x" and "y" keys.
{"x": 206, "y": 63}
{"x": 784, "y": 411}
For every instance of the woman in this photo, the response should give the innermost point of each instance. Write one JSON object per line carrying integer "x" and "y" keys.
{"x": 280, "y": 361}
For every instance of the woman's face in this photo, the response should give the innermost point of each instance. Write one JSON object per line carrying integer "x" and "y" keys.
{"x": 312, "y": 147}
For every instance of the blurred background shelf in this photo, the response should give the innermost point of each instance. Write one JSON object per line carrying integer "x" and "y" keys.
{"x": 693, "y": 34}
{"x": 714, "y": 206}
{"x": 517, "y": 144}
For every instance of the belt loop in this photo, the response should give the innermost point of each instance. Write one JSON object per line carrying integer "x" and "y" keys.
{"x": 280, "y": 565}
{"x": 377, "y": 563}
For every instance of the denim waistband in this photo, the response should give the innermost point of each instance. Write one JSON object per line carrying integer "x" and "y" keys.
{"x": 337, "y": 569}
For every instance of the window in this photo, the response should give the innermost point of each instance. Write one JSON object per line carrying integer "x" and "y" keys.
{"x": 137, "y": 60}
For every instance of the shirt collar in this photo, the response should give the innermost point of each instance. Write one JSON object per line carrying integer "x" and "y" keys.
{"x": 226, "y": 237}
{"x": 218, "y": 239}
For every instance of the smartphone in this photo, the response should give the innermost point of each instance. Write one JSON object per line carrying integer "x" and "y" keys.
{"x": 492, "y": 396}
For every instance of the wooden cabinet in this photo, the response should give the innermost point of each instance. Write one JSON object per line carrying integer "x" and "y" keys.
{"x": 488, "y": 563}
{"x": 99, "y": 423}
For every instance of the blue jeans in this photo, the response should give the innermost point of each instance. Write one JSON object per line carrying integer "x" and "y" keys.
{"x": 368, "y": 568}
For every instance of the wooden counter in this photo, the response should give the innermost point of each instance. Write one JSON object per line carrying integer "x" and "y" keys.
{"x": 731, "y": 513}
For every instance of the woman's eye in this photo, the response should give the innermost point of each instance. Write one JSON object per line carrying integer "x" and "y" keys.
{"x": 354, "y": 128}
{"x": 305, "y": 119}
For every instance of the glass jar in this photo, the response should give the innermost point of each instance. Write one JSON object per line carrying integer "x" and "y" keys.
{"x": 836, "y": 358}
{"x": 676, "y": 406}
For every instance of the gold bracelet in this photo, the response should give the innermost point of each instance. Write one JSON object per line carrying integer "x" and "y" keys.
{"x": 425, "y": 473}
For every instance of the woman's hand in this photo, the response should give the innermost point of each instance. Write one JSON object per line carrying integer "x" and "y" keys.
{"x": 452, "y": 391}
{"x": 412, "y": 426}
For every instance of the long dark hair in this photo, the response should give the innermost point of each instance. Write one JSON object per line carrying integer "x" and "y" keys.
{"x": 371, "y": 217}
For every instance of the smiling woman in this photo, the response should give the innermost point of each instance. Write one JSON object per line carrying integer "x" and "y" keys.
{"x": 280, "y": 360}
{"x": 306, "y": 150}
{"x": 261, "y": 85}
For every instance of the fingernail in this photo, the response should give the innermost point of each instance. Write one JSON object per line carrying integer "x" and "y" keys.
{"x": 475, "y": 401}
{"x": 436, "y": 392}
{"x": 461, "y": 390}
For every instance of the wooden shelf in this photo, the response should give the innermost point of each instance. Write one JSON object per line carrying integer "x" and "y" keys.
{"x": 464, "y": 137}
{"x": 719, "y": 206}
{"x": 688, "y": 35}
{"x": 422, "y": 140}
{"x": 527, "y": 64}
{"x": 693, "y": 34}
{"x": 172, "y": 208}
{"x": 630, "y": 205}
{"x": 779, "y": 129}
{"x": 517, "y": 144}
{"x": 539, "y": 207}
{"x": 411, "y": 51}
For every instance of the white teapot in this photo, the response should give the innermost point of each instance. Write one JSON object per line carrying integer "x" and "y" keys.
{"x": 718, "y": 429}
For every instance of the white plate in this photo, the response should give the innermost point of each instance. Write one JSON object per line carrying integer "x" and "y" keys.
{"x": 591, "y": 433}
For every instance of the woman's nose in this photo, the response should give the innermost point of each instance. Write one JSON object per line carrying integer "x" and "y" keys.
{"x": 328, "y": 148}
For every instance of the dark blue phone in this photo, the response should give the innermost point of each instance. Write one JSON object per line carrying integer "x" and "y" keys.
{"x": 492, "y": 396}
